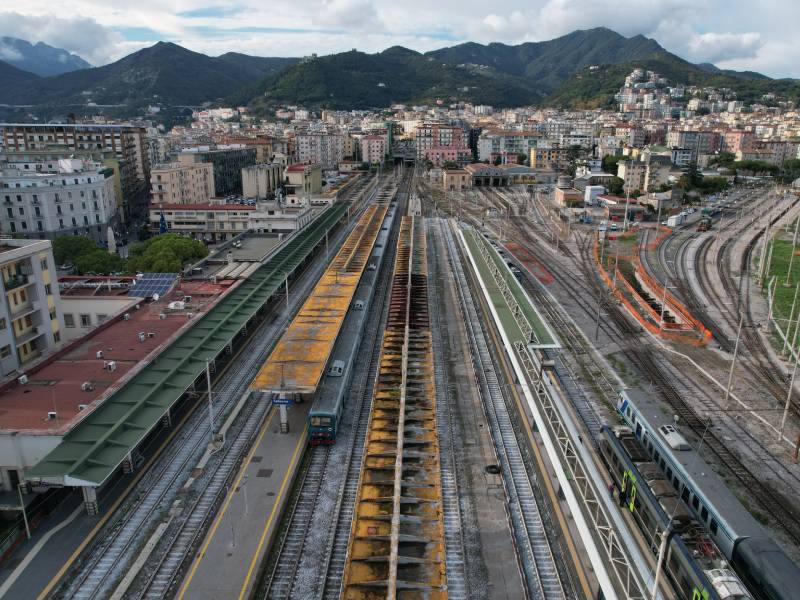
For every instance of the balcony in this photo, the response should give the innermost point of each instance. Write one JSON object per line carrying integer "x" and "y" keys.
{"x": 31, "y": 334}
{"x": 16, "y": 281}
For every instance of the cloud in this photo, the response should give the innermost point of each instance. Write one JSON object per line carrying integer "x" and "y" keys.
{"x": 83, "y": 36}
{"x": 715, "y": 47}
{"x": 8, "y": 53}
{"x": 732, "y": 34}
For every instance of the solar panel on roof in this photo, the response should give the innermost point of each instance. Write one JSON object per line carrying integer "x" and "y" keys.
{"x": 153, "y": 283}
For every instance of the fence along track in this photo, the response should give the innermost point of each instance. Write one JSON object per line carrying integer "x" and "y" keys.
{"x": 397, "y": 541}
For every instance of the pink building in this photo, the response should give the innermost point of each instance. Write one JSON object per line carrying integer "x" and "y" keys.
{"x": 373, "y": 148}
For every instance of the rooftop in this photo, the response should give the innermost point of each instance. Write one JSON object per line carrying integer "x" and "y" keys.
{"x": 55, "y": 385}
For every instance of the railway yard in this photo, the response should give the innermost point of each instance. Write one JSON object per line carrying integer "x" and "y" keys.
{"x": 467, "y": 395}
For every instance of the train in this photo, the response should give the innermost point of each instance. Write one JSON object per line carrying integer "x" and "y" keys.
{"x": 693, "y": 564}
{"x": 760, "y": 563}
{"x": 326, "y": 411}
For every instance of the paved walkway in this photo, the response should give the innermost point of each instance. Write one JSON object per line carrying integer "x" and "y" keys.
{"x": 227, "y": 566}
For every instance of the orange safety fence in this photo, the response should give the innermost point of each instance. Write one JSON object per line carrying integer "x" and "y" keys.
{"x": 663, "y": 332}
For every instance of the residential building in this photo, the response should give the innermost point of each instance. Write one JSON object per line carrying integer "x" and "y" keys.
{"x": 646, "y": 173}
{"x": 177, "y": 183}
{"x": 228, "y": 162}
{"x": 700, "y": 142}
{"x": 80, "y": 200}
{"x": 31, "y": 319}
{"x": 506, "y": 144}
{"x": 262, "y": 180}
{"x": 435, "y": 141}
{"x": 303, "y": 180}
{"x": 327, "y": 149}
{"x": 128, "y": 143}
{"x": 373, "y": 148}
{"x": 552, "y": 157}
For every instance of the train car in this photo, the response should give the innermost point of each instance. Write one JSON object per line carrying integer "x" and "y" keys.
{"x": 766, "y": 569}
{"x": 326, "y": 411}
{"x": 692, "y": 564}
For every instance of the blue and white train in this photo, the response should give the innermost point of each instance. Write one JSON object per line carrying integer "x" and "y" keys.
{"x": 766, "y": 569}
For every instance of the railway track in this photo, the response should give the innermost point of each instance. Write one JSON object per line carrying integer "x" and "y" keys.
{"x": 455, "y": 553}
{"x": 329, "y": 474}
{"x": 108, "y": 560}
{"x": 544, "y": 576}
{"x": 397, "y": 538}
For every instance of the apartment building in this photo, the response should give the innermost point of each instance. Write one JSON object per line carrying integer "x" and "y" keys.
{"x": 433, "y": 136}
{"x": 327, "y": 149}
{"x": 700, "y": 142}
{"x": 646, "y": 173}
{"x": 176, "y": 183}
{"x": 373, "y": 148}
{"x": 128, "y": 143}
{"x": 551, "y": 157}
{"x": 31, "y": 319}
{"x": 499, "y": 143}
{"x": 261, "y": 181}
{"x": 227, "y": 162}
{"x": 303, "y": 180}
{"x": 80, "y": 200}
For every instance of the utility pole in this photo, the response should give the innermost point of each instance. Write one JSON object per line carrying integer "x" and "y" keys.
{"x": 791, "y": 256}
{"x": 788, "y": 398}
{"x": 733, "y": 364}
{"x": 210, "y": 405}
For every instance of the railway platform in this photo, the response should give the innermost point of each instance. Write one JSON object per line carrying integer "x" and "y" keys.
{"x": 228, "y": 560}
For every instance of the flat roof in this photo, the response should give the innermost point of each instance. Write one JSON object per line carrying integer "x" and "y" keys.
{"x": 541, "y": 329}
{"x": 297, "y": 362}
{"x": 56, "y": 384}
{"x": 95, "y": 447}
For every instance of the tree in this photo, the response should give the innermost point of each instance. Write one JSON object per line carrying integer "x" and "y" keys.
{"x": 99, "y": 261}
{"x": 449, "y": 164}
{"x": 68, "y": 248}
{"x": 616, "y": 186}
{"x": 522, "y": 159}
{"x": 609, "y": 163}
{"x": 498, "y": 161}
{"x": 167, "y": 253}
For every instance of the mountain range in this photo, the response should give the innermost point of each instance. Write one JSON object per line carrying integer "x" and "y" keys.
{"x": 39, "y": 58}
{"x": 581, "y": 69}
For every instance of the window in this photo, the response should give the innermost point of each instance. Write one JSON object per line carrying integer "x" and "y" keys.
{"x": 43, "y": 264}
{"x": 10, "y": 212}
{"x": 101, "y": 318}
{"x": 5, "y": 351}
{"x": 685, "y": 494}
{"x": 69, "y": 320}
{"x": 704, "y": 513}
{"x": 48, "y": 289}
{"x": 56, "y": 337}
{"x": 52, "y": 313}
{"x": 86, "y": 321}
{"x": 21, "y": 210}
{"x": 695, "y": 503}
{"x": 37, "y": 211}
{"x": 3, "y": 324}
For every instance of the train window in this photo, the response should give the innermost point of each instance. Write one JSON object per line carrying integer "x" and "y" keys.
{"x": 685, "y": 494}
{"x": 704, "y": 514}
{"x": 713, "y": 527}
{"x": 661, "y": 462}
{"x": 669, "y": 473}
{"x": 676, "y": 483}
{"x": 695, "y": 503}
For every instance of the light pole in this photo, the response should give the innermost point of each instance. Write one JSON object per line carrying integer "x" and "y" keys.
{"x": 791, "y": 255}
{"x": 791, "y": 316}
{"x": 788, "y": 398}
{"x": 25, "y": 514}
{"x": 210, "y": 405}
{"x": 733, "y": 363}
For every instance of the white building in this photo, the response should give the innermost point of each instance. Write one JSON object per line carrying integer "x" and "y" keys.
{"x": 327, "y": 149}
{"x": 260, "y": 181}
{"x": 79, "y": 200}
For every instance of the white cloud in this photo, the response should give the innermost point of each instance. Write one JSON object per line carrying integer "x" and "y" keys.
{"x": 733, "y": 34}
{"x": 9, "y": 53}
{"x": 715, "y": 47}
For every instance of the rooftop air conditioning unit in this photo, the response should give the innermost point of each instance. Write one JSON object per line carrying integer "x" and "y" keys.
{"x": 112, "y": 365}
{"x": 23, "y": 379}
{"x": 87, "y": 386}
{"x": 189, "y": 315}
{"x": 99, "y": 354}
{"x": 151, "y": 334}
{"x": 52, "y": 415}
{"x": 162, "y": 316}
{"x": 127, "y": 316}
{"x": 82, "y": 407}
{"x": 141, "y": 336}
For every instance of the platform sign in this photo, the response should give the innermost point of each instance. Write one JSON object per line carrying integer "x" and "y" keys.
{"x": 277, "y": 399}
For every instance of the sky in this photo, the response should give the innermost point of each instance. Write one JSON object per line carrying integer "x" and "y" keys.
{"x": 734, "y": 34}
